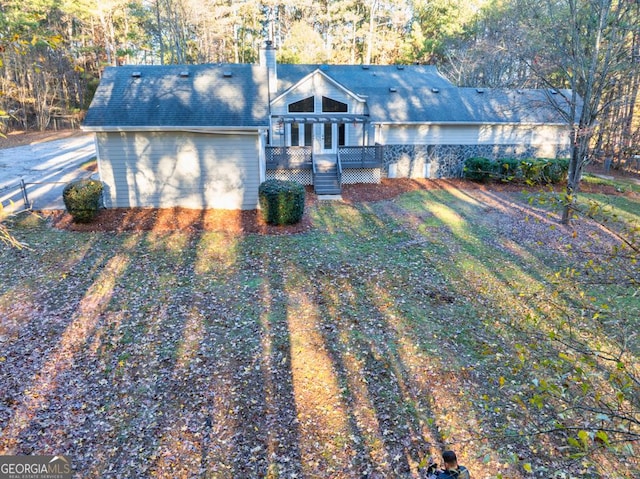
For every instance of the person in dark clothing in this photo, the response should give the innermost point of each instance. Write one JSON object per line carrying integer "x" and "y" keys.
{"x": 451, "y": 469}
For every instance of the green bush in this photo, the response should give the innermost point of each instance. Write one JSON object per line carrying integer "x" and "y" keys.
{"x": 508, "y": 170}
{"x": 82, "y": 199}
{"x": 556, "y": 169}
{"x": 531, "y": 171}
{"x": 479, "y": 169}
{"x": 281, "y": 202}
{"x": 544, "y": 170}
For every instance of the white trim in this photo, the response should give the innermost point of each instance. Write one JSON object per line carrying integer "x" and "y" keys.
{"x": 328, "y": 78}
{"x": 222, "y": 130}
{"x": 466, "y": 123}
{"x": 262, "y": 160}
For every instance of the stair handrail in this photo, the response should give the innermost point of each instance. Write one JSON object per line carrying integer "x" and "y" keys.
{"x": 339, "y": 165}
{"x": 313, "y": 164}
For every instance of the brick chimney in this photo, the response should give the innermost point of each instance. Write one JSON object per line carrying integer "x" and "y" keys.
{"x": 268, "y": 60}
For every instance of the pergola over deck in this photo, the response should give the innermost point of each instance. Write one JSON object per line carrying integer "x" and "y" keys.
{"x": 301, "y": 157}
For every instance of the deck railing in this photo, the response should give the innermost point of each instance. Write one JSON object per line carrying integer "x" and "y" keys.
{"x": 300, "y": 157}
{"x": 361, "y": 156}
{"x": 288, "y": 157}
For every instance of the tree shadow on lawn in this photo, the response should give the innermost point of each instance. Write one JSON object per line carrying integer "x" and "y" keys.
{"x": 514, "y": 329}
{"x": 43, "y": 341}
{"x": 179, "y": 362}
{"x": 381, "y": 403}
{"x": 222, "y": 355}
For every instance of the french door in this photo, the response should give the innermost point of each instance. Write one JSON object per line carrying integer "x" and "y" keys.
{"x": 332, "y": 135}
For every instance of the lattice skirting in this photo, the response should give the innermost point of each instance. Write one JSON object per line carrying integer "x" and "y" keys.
{"x": 360, "y": 175}
{"x": 304, "y": 177}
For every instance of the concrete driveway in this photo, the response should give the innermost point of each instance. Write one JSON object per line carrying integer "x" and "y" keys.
{"x": 45, "y": 168}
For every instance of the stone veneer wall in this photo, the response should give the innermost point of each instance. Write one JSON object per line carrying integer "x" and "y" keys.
{"x": 447, "y": 161}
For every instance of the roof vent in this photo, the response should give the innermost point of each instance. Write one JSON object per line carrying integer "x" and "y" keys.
{"x": 184, "y": 74}
{"x": 136, "y": 74}
{"x": 393, "y": 89}
{"x": 435, "y": 90}
{"x": 553, "y": 91}
{"x": 400, "y": 67}
{"x": 324, "y": 68}
{"x": 480, "y": 90}
{"x": 365, "y": 67}
{"x": 227, "y": 74}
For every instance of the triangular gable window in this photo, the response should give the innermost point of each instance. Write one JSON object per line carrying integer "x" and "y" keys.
{"x": 302, "y": 106}
{"x": 333, "y": 106}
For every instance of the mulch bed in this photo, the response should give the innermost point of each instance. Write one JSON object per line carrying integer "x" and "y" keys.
{"x": 236, "y": 221}
{"x": 233, "y": 221}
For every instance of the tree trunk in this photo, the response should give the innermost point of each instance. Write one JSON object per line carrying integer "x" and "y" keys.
{"x": 572, "y": 186}
{"x": 159, "y": 25}
{"x": 372, "y": 24}
{"x": 576, "y": 164}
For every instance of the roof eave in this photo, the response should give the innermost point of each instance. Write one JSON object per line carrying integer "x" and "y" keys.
{"x": 468, "y": 123}
{"x": 193, "y": 129}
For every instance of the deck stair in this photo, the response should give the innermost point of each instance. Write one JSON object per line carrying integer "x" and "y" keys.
{"x": 326, "y": 180}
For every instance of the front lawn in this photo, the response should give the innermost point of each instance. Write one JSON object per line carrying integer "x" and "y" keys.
{"x": 358, "y": 348}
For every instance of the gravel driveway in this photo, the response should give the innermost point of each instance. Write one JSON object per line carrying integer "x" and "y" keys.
{"x": 45, "y": 168}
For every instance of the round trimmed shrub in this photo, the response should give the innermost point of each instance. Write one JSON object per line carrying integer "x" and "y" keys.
{"x": 281, "y": 202}
{"x": 82, "y": 199}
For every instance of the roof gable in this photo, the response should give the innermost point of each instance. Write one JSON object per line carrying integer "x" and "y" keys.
{"x": 318, "y": 73}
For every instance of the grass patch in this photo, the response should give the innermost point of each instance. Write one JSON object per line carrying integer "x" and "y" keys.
{"x": 623, "y": 185}
{"x": 385, "y": 333}
{"x": 90, "y": 165}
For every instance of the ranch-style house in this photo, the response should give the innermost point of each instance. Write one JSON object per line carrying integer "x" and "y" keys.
{"x": 206, "y": 136}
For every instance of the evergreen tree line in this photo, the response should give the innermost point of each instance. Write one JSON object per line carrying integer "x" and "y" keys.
{"x": 52, "y": 52}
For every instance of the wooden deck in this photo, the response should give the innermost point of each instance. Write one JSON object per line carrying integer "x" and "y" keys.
{"x": 302, "y": 158}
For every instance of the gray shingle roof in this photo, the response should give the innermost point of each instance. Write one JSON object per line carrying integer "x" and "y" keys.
{"x": 162, "y": 97}
{"x": 208, "y": 97}
{"x": 361, "y": 79}
{"x": 419, "y": 93}
{"x": 464, "y": 105}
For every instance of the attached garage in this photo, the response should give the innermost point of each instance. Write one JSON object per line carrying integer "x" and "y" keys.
{"x": 192, "y": 170}
{"x": 190, "y": 136}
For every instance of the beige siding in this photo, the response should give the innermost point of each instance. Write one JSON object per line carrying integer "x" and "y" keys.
{"x": 354, "y": 135}
{"x": 427, "y": 134}
{"x": 472, "y": 135}
{"x": 152, "y": 169}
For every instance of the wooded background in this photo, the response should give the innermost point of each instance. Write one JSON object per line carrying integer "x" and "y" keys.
{"x": 52, "y": 52}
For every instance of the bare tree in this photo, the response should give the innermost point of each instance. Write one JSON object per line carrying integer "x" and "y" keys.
{"x": 582, "y": 45}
